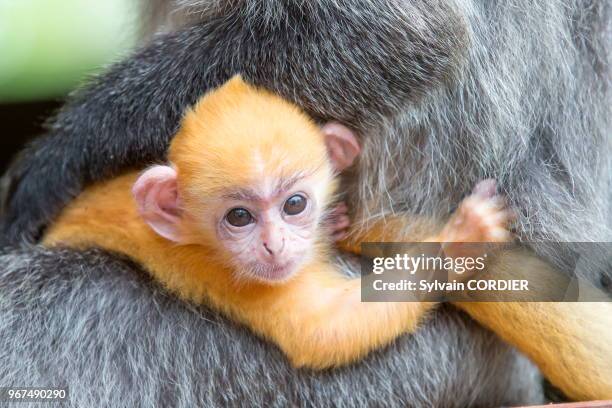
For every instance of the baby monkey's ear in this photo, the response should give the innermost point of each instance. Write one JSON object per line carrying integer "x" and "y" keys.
{"x": 156, "y": 195}
{"x": 342, "y": 145}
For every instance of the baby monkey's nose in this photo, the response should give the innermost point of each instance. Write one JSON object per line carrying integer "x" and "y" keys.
{"x": 274, "y": 248}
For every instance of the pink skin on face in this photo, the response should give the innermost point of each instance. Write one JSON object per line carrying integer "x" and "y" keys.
{"x": 275, "y": 241}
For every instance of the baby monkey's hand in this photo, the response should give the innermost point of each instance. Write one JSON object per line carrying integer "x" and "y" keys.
{"x": 481, "y": 217}
{"x": 337, "y": 221}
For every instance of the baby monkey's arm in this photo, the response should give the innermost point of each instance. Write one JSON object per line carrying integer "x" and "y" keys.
{"x": 317, "y": 318}
{"x": 324, "y": 323}
{"x": 481, "y": 217}
{"x": 319, "y": 321}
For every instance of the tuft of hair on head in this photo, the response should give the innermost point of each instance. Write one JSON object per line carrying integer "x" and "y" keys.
{"x": 241, "y": 133}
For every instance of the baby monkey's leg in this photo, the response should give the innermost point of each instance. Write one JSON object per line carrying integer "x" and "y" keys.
{"x": 325, "y": 324}
{"x": 570, "y": 342}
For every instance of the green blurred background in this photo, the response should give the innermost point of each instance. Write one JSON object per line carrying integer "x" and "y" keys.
{"x": 47, "y": 47}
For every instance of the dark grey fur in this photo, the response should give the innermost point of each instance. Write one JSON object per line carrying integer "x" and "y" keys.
{"x": 311, "y": 52}
{"x": 444, "y": 94}
{"x": 96, "y": 324}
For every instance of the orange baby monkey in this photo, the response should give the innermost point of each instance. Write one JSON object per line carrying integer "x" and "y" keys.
{"x": 237, "y": 221}
{"x": 257, "y": 200}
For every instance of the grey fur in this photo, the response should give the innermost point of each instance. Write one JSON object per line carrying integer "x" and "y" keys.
{"x": 310, "y": 52}
{"x": 523, "y": 97}
{"x": 532, "y": 109}
{"x": 94, "y": 323}
{"x": 529, "y": 105}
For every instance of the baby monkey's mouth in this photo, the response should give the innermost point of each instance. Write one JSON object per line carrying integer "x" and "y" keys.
{"x": 272, "y": 273}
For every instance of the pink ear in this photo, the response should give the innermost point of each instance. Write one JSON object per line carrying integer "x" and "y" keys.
{"x": 156, "y": 195}
{"x": 341, "y": 144}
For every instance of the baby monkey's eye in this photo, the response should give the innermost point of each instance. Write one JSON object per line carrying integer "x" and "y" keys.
{"x": 295, "y": 204}
{"x": 239, "y": 217}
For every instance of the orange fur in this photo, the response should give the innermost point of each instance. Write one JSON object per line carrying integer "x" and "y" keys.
{"x": 570, "y": 342}
{"x": 249, "y": 134}
{"x": 317, "y": 318}
{"x": 402, "y": 228}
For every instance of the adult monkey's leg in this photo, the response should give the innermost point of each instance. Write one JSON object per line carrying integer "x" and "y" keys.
{"x": 101, "y": 327}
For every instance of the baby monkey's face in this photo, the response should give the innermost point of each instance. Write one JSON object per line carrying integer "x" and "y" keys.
{"x": 270, "y": 229}
{"x": 259, "y": 216}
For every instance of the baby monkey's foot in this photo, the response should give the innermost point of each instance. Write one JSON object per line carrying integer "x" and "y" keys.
{"x": 338, "y": 222}
{"x": 481, "y": 217}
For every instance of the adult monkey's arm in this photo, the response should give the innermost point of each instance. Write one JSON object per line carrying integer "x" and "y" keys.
{"x": 351, "y": 64}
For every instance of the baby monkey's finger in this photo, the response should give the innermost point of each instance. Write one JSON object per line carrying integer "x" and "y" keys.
{"x": 498, "y": 202}
{"x": 340, "y": 235}
{"x": 485, "y": 188}
{"x": 499, "y": 235}
{"x": 340, "y": 223}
